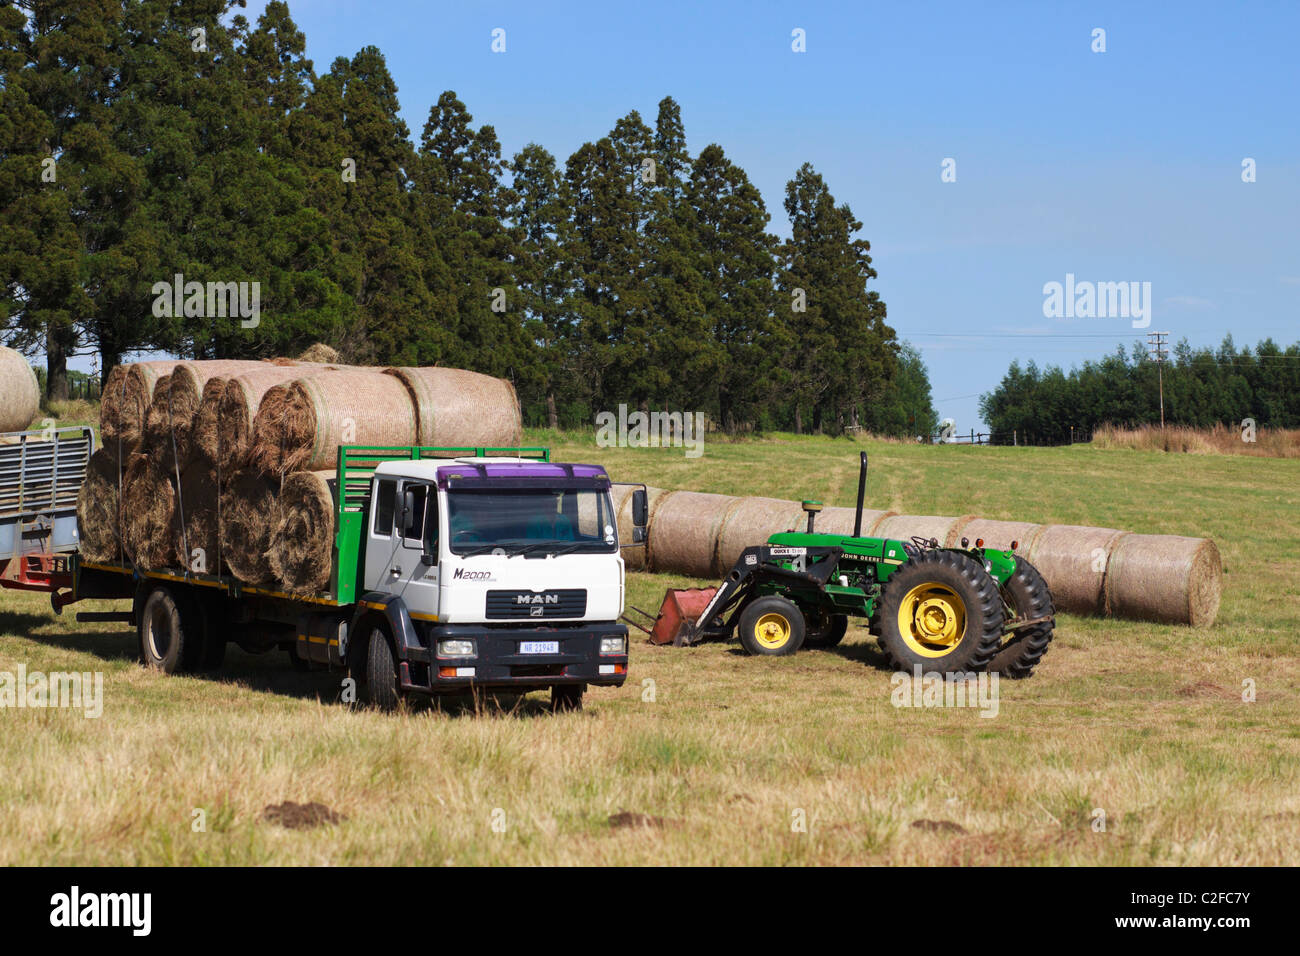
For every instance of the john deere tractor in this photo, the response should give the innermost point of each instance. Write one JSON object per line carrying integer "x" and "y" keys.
{"x": 945, "y": 609}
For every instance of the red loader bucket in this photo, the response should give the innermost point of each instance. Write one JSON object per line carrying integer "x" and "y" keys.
{"x": 679, "y": 607}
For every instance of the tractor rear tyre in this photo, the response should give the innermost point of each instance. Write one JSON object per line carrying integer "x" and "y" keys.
{"x": 823, "y": 629}
{"x": 1028, "y": 596}
{"x": 940, "y": 611}
{"x": 771, "y": 626}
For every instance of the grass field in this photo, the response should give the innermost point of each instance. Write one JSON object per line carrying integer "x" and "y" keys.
{"x": 708, "y": 756}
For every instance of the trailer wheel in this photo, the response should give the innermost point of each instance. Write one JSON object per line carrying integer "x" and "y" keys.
{"x": 567, "y": 697}
{"x": 381, "y": 687}
{"x": 824, "y": 630}
{"x": 1029, "y": 597}
{"x": 771, "y": 626}
{"x": 162, "y": 630}
{"x": 942, "y": 611}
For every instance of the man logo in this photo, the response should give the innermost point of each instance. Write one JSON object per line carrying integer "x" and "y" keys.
{"x": 537, "y": 599}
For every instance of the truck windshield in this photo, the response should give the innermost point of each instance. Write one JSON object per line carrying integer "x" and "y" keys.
{"x": 530, "y": 521}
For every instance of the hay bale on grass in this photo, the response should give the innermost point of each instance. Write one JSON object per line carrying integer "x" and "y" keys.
{"x": 998, "y": 534}
{"x": 128, "y": 392}
{"x": 837, "y": 520}
{"x": 750, "y": 521}
{"x": 148, "y": 510}
{"x": 20, "y": 394}
{"x": 684, "y": 533}
{"x": 458, "y": 408}
{"x": 1166, "y": 578}
{"x": 300, "y": 427}
{"x": 634, "y": 557}
{"x": 248, "y": 511}
{"x": 1073, "y": 559}
{"x": 97, "y": 508}
{"x": 905, "y": 527}
{"x": 301, "y": 553}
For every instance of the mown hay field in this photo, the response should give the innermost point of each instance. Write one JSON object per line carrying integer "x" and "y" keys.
{"x": 708, "y": 756}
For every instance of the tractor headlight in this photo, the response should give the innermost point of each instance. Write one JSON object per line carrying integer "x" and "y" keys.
{"x": 613, "y": 645}
{"x": 456, "y": 648}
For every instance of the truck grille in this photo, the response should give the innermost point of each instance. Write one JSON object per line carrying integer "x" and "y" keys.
{"x": 536, "y": 605}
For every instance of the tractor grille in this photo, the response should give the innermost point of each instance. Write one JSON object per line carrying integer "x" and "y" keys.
{"x": 536, "y": 605}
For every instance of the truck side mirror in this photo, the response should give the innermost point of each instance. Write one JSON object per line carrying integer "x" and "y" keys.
{"x": 640, "y": 508}
{"x": 408, "y": 509}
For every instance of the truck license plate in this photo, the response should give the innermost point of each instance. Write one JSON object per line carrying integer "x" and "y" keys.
{"x": 539, "y": 647}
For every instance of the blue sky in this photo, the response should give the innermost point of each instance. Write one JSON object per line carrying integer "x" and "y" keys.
{"x": 1115, "y": 166}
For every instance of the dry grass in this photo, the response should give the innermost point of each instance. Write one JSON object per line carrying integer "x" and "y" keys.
{"x": 1219, "y": 440}
{"x": 1145, "y": 722}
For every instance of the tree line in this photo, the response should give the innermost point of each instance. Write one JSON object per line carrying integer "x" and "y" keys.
{"x": 145, "y": 139}
{"x": 1202, "y": 387}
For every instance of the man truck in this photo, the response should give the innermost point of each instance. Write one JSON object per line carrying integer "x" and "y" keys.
{"x": 454, "y": 569}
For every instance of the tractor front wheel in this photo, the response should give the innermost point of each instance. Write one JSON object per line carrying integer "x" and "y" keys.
{"x": 940, "y": 611}
{"x": 771, "y": 626}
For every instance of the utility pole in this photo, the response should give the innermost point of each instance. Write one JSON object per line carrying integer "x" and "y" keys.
{"x": 1156, "y": 342}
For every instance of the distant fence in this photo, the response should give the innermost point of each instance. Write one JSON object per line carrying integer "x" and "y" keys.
{"x": 1014, "y": 437}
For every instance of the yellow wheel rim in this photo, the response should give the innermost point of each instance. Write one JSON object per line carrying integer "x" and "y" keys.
{"x": 932, "y": 619}
{"x": 772, "y": 630}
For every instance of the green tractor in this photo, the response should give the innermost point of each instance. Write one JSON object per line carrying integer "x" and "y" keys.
{"x": 946, "y": 610}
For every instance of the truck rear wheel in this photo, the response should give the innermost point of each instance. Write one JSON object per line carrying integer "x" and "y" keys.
{"x": 165, "y": 627}
{"x": 771, "y": 626}
{"x": 567, "y": 697}
{"x": 941, "y": 611}
{"x": 1028, "y": 596}
{"x": 381, "y": 687}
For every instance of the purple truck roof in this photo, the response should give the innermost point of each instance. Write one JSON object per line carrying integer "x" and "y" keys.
{"x": 510, "y": 469}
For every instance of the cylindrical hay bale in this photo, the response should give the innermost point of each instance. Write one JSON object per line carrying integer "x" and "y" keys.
{"x": 998, "y": 534}
{"x": 684, "y": 533}
{"x": 301, "y": 554}
{"x": 906, "y": 527}
{"x": 1073, "y": 561}
{"x": 196, "y": 540}
{"x": 837, "y": 520}
{"x": 239, "y": 404}
{"x": 128, "y": 392}
{"x": 750, "y": 521}
{"x": 633, "y": 557}
{"x": 148, "y": 510}
{"x": 454, "y": 407}
{"x": 185, "y": 392}
{"x": 319, "y": 353}
{"x": 303, "y": 428}
{"x": 20, "y": 394}
{"x": 97, "y": 508}
{"x": 205, "y": 441}
{"x": 248, "y": 511}
{"x": 1166, "y": 578}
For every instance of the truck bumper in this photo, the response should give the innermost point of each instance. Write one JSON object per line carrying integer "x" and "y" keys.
{"x": 498, "y": 661}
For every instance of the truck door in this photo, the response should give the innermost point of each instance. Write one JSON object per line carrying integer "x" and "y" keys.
{"x": 403, "y": 524}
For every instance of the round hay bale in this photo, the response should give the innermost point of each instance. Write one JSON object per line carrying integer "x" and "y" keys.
{"x": 1166, "y": 578}
{"x": 248, "y": 511}
{"x": 633, "y": 557}
{"x": 1073, "y": 560}
{"x": 303, "y": 428}
{"x": 905, "y": 527}
{"x": 196, "y": 540}
{"x": 838, "y": 520}
{"x": 148, "y": 510}
{"x": 321, "y": 353}
{"x": 184, "y": 395}
{"x": 97, "y": 509}
{"x": 458, "y": 408}
{"x": 128, "y": 392}
{"x": 238, "y": 406}
{"x": 997, "y": 534}
{"x": 205, "y": 437}
{"x": 684, "y": 533}
{"x": 20, "y": 394}
{"x": 301, "y": 554}
{"x": 750, "y": 521}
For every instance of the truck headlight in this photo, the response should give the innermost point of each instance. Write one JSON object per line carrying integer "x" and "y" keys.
{"x": 456, "y": 648}
{"x": 613, "y": 645}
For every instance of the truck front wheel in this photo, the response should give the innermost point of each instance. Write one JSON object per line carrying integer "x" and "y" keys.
{"x": 567, "y": 697}
{"x": 381, "y": 686}
{"x": 161, "y": 628}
